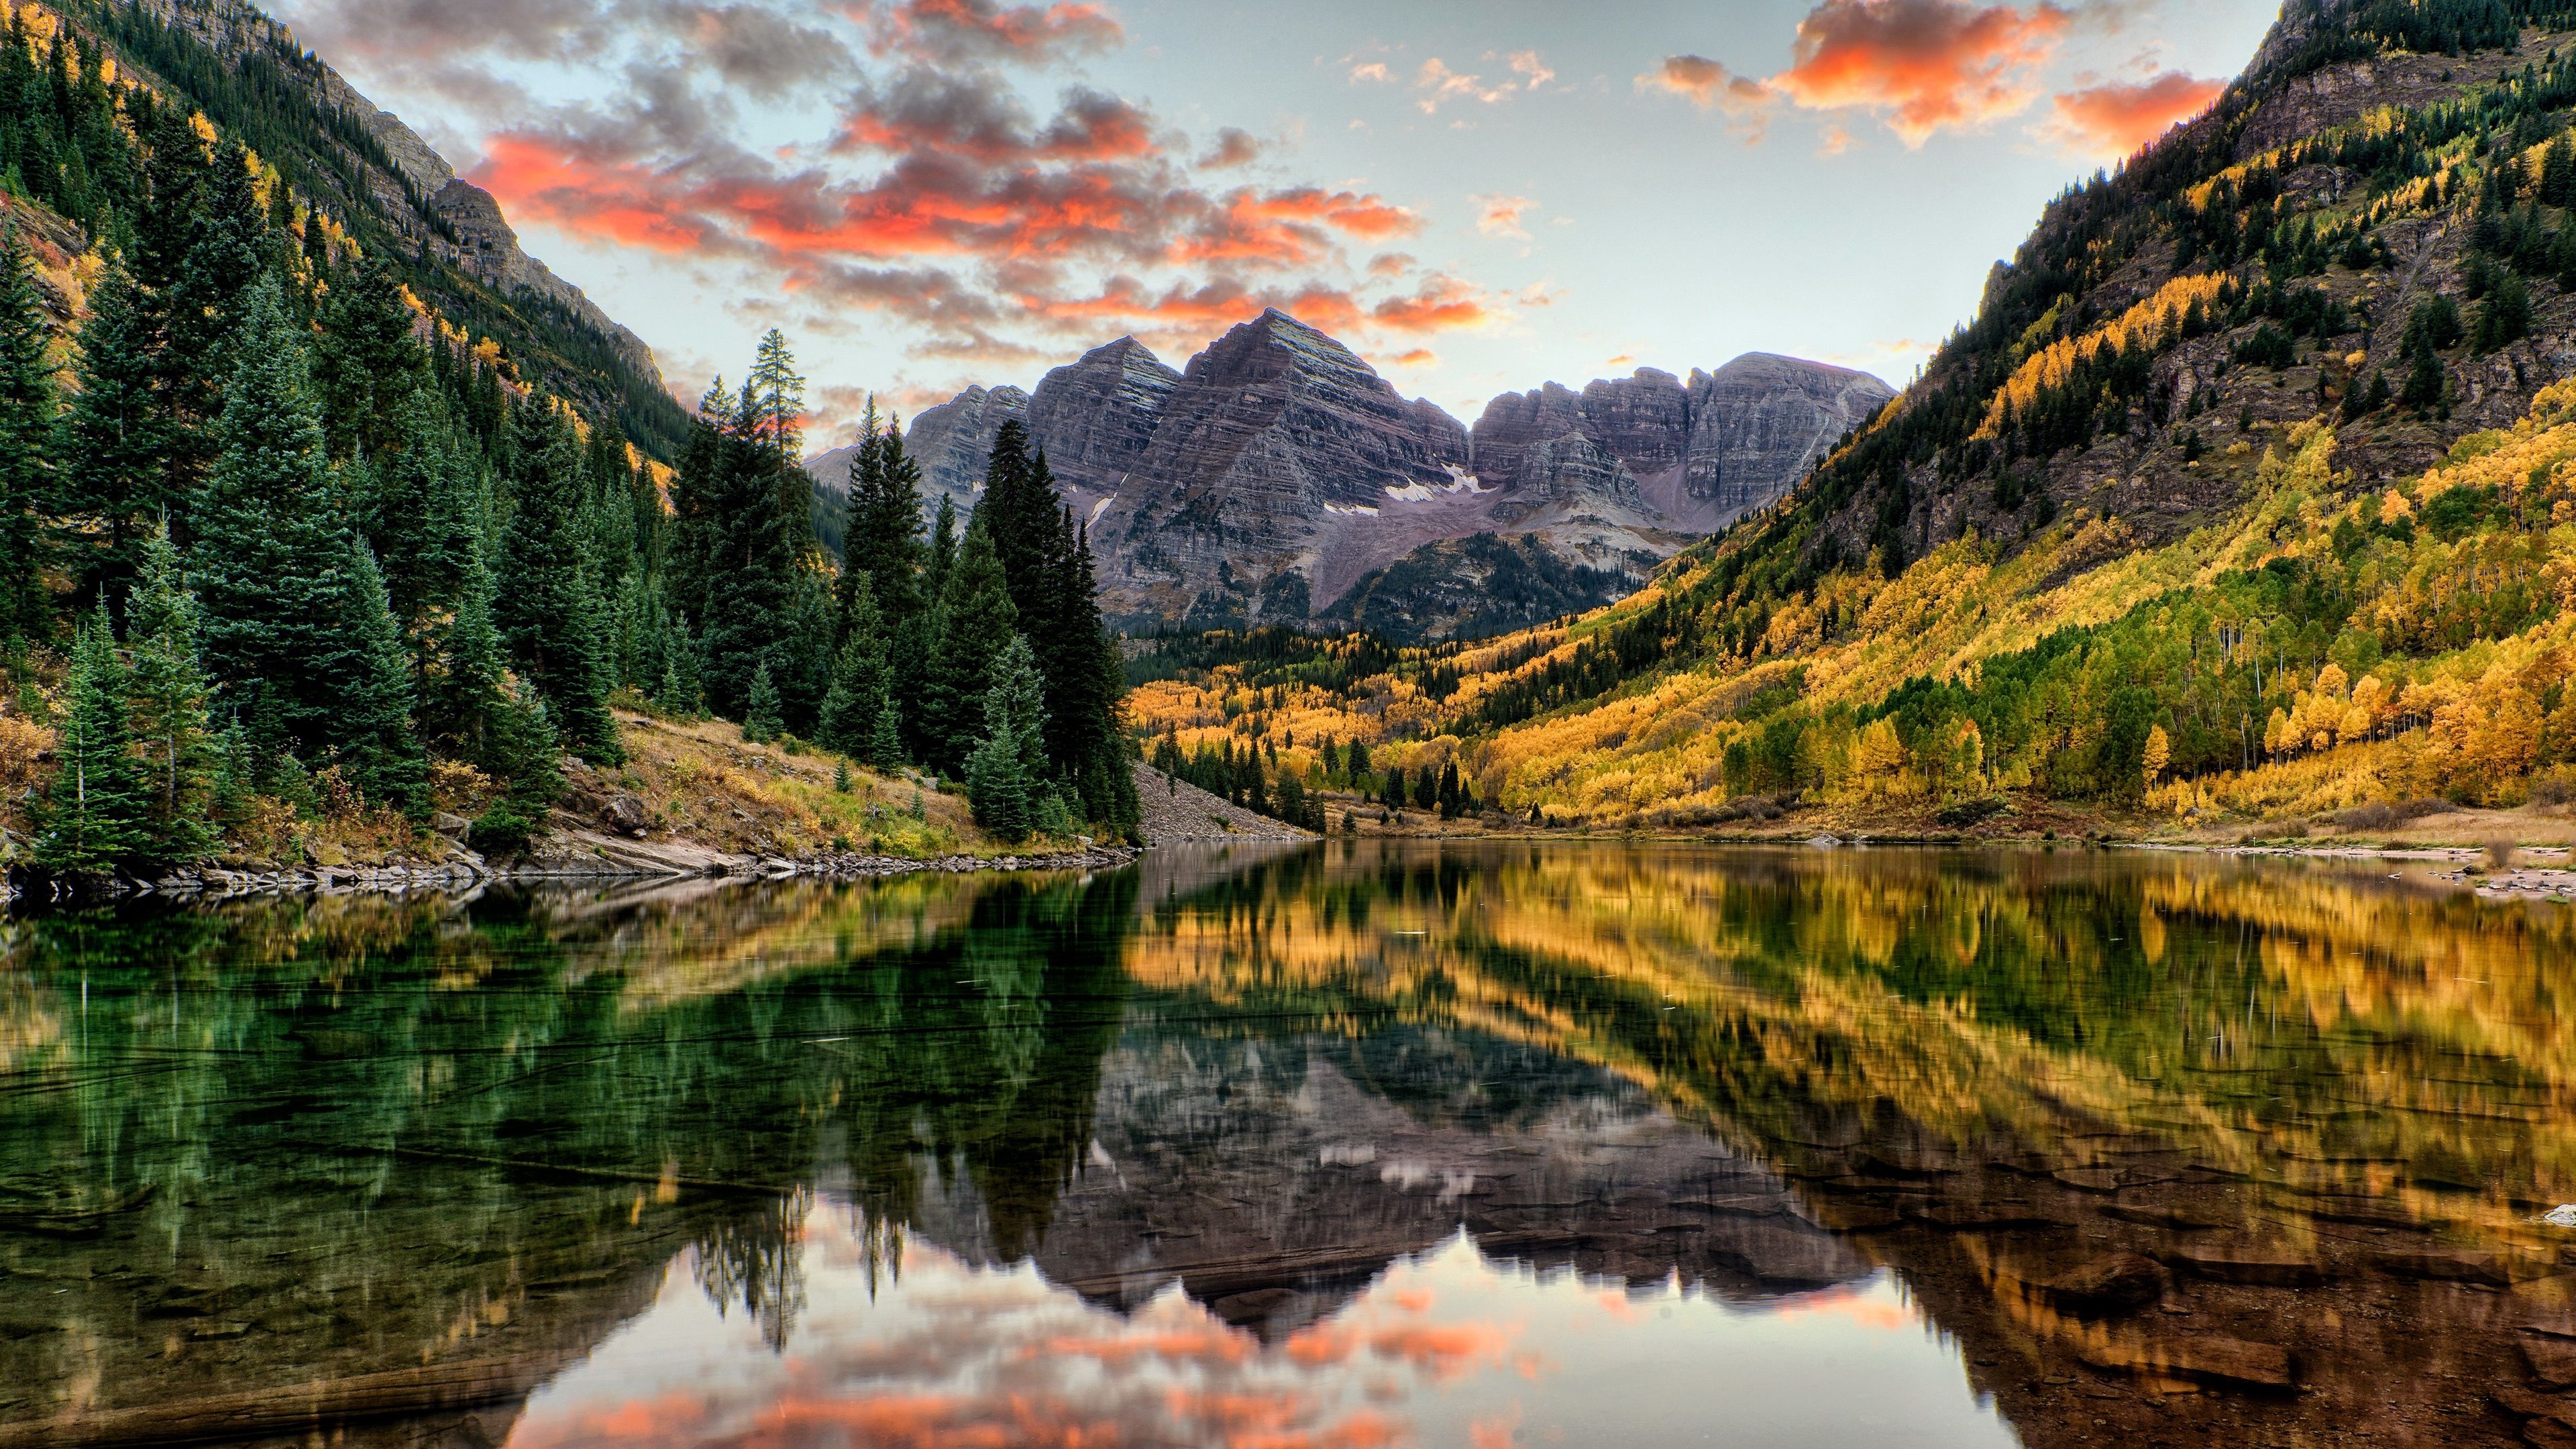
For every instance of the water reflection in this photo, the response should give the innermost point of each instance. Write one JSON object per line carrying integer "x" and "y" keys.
{"x": 1353, "y": 1144}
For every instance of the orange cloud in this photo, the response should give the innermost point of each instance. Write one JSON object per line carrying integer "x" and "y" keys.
{"x": 1443, "y": 304}
{"x": 1501, "y": 215}
{"x": 606, "y": 200}
{"x": 1418, "y": 357}
{"x": 2116, "y": 120}
{"x": 1932, "y": 64}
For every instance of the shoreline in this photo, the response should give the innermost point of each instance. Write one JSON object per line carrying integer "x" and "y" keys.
{"x": 227, "y": 883}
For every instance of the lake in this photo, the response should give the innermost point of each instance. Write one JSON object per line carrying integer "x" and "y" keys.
{"x": 1363, "y": 1143}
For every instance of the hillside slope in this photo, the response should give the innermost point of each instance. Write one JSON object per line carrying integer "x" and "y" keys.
{"x": 363, "y": 175}
{"x": 2248, "y": 492}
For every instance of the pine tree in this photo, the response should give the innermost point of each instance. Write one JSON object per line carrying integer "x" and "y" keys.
{"x": 169, "y": 694}
{"x": 273, "y": 560}
{"x": 375, "y": 713}
{"x": 972, "y": 624}
{"x": 422, "y": 515}
{"x": 26, "y": 445}
{"x": 366, "y": 365}
{"x": 547, "y": 600}
{"x": 1004, "y": 773}
{"x": 119, "y": 473}
{"x": 859, "y": 694}
{"x": 885, "y": 739}
{"x": 93, "y": 817}
{"x": 760, "y": 721}
{"x": 881, "y": 531}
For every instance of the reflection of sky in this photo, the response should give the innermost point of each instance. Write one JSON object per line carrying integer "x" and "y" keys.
{"x": 1447, "y": 1350}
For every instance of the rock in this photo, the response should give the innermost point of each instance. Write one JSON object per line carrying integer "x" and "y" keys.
{"x": 1760, "y": 422}
{"x": 2457, "y": 1265}
{"x": 2089, "y": 1179}
{"x": 2221, "y": 1263}
{"x": 1983, "y": 1217}
{"x": 952, "y": 442}
{"x": 2122, "y": 1283}
{"x": 2208, "y": 1357}
{"x": 1270, "y": 428}
{"x": 2169, "y": 1218}
{"x": 2552, "y": 1359}
{"x": 625, "y": 813}
{"x": 1096, "y": 417}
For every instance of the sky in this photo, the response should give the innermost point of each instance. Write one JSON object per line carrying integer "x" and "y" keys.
{"x": 1478, "y": 196}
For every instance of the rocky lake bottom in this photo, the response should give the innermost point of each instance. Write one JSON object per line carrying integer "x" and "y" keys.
{"x": 1337, "y": 1144}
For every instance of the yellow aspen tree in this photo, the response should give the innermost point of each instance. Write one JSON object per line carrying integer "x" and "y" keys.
{"x": 1877, "y": 756}
{"x": 2159, "y": 753}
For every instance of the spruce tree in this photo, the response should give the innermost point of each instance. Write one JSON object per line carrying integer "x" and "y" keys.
{"x": 26, "y": 445}
{"x": 366, "y": 365}
{"x": 169, "y": 692}
{"x": 547, "y": 600}
{"x": 421, "y": 515}
{"x": 118, "y": 453}
{"x": 760, "y": 719}
{"x": 375, "y": 714}
{"x": 93, "y": 816}
{"x": 1005, "y": 771}
{"x": 273, "y": 559}
{"x": 972, "y": 623}
{"x": 881, "y": 531}
{"x": 859, "y": 695}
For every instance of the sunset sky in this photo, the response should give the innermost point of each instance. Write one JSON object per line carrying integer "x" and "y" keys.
{"x": 1479, "y": 197}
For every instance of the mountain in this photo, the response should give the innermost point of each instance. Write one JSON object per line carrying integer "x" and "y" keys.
{"x": 373, "y": 177}
{"x": 2249, "y": 492}
{"x": 1278, "y": 478}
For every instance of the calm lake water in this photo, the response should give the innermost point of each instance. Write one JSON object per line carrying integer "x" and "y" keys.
{"x": 1362, "y": 1144}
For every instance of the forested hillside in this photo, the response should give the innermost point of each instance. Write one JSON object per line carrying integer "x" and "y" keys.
{"x": 2250, "y": 491}
{"x": 280, "y": 553}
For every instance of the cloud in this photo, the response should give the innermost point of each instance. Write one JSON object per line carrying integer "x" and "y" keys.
{"x": 1438, "y": 84}
{"x": 968, "y": 30}
{"x": 1418, "y": 357}
{"x": 1930, "y": 64}
{"x": 1706, "y": 84}
{"x": 1233, "y": 146}
{"x": 1526, "y": 64}
{"x": 2117, "y": 120}
{"x": 973, "y": 115}
{"x": 1374, "y": 70}
{"x": 1499, "y": 215}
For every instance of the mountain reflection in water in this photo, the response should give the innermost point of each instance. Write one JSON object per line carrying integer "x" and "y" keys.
{"x": 1352, "y": 1145}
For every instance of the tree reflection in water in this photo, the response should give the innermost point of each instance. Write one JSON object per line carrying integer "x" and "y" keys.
{"x": 334, "y": 1140}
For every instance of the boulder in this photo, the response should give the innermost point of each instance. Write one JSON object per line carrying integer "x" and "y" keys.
{"x": 454, "y": 827}
{"x": 2122, "y": 1283}
{"x": 2262, "y": 1267}
{"x": 2209, "y": 1357}
{"x": 625, "y": 814}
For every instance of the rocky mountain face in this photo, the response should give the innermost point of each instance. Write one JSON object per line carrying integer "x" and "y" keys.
{"x": 1278, "y": 478}
{"x": 400, "y": 196}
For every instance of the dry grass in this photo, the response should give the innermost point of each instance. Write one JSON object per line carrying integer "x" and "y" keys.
{"x": 702, "y": 781}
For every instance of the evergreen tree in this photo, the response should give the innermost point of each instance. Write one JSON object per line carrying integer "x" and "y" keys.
{"x": 118, "y": 470}
{"x": 859, "y": 696}
{"x": 1004, "y": 773}
{"x": 885, "y": 738}
{"x": 288, "y": 616}
{"x": 972, "y": 623}
{"x": 375, "y": 714}
{"x": 93, "y": 817}
{"x": 366, "y": 365}
{"x": 547, "y": 600}
{"x": 881, "y": 531}
{"x": 760, "y": 718}
{"x": 26, "y": 445}
{"x": 421, "y": 516}
{"x": 169, "y": 692}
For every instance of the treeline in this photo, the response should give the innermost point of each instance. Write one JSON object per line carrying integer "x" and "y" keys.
{"x": 304, "y": 552}
{"x": 1242, "y": 777}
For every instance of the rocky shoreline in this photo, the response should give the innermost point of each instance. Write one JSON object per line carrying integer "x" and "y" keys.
{"x": 467, "y": 872}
